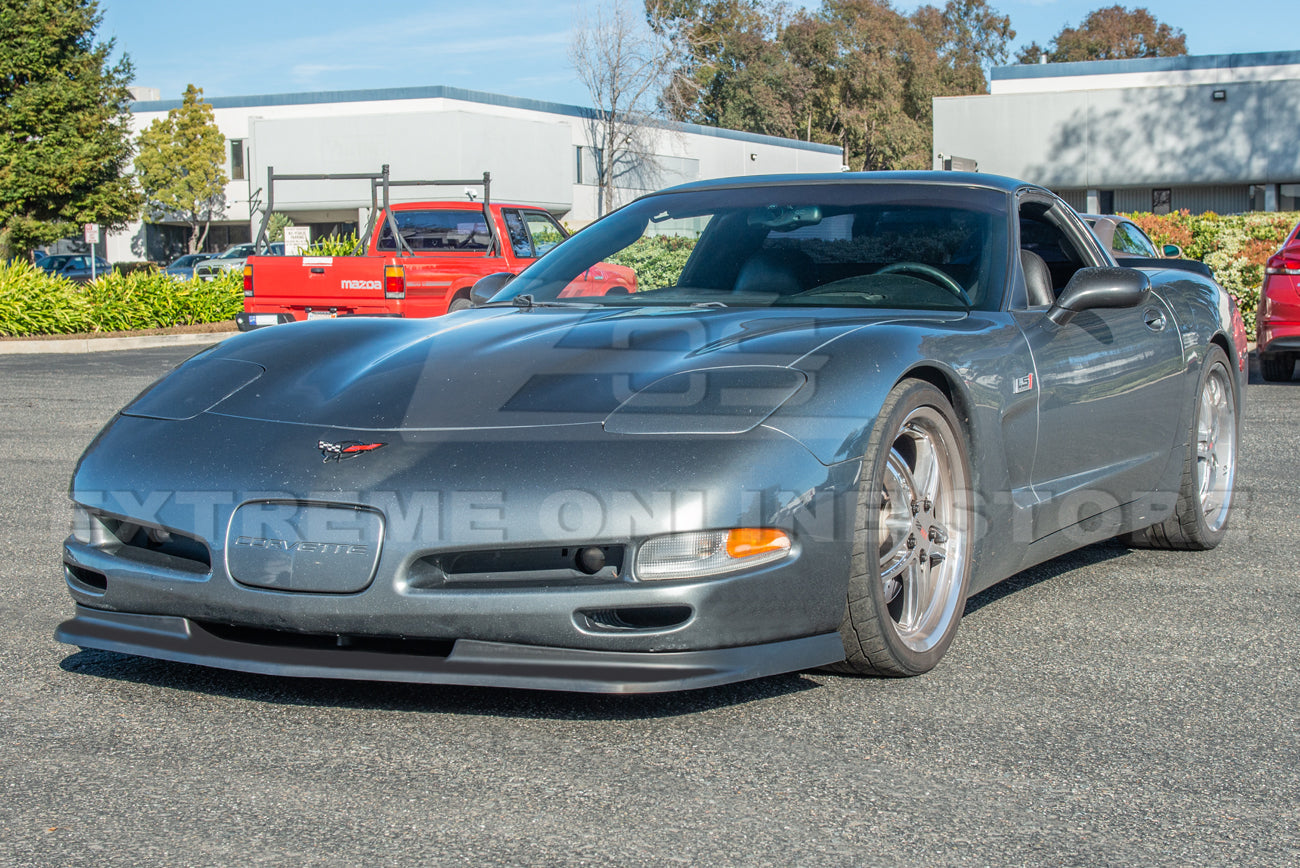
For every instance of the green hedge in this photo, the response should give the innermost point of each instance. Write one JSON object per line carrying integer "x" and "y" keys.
{"x": 657, "y": 260}
{"x": 35, "y": 303}
{"x": 1235, "y": 246}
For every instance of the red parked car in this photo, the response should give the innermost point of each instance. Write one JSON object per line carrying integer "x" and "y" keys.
{"x": 1277, "y": 320}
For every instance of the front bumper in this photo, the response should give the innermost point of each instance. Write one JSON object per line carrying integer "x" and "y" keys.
{"x": 467, "y": 662}
{"x": 451, "y": 503}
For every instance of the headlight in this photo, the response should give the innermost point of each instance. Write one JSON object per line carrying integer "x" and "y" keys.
{"x": 708, "y": 401}
{"x": 698, "y": 554}
{"x": 82, "y": 525}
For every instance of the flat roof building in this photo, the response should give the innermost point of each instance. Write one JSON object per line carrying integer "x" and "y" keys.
{"x": 1204, "y": 133}
{"x": 538, "y": 153}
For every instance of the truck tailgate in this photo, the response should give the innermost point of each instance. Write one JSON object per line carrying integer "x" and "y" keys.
{"x": 306, "y": 287}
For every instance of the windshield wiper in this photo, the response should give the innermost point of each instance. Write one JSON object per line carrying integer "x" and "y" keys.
{"x": 528, "y": 302}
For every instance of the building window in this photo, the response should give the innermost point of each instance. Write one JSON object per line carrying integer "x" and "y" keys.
{"x": 587, "y": 169}
{"x": 1288, "y": 197}
{"x": 236, "y": 159}
{"x": 1161, "y": 201}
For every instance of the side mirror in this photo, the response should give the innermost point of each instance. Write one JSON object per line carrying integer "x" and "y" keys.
{"x": 486, "y": 287}
{"x": 1092, "y": 288}
{"x": 1172, "y": 251}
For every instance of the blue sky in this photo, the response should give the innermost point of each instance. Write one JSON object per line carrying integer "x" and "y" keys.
{"x": 511, "y": 47}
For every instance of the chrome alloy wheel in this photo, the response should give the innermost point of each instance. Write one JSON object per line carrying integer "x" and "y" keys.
{"x": 923, "y": 528}
{"x": 1216, "y": 447}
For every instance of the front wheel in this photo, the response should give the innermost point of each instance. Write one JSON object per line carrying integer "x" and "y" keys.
{"x": 912, "y": 538}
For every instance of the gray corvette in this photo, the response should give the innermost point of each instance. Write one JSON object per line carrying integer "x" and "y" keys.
{"x": 835, "y": 407}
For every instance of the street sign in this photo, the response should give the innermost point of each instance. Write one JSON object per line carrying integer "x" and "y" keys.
{"x": 90, "y": 231}
{"x": 296, "y": 239}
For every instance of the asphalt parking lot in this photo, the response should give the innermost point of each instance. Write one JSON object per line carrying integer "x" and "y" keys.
{"x": 1111, "y": 707}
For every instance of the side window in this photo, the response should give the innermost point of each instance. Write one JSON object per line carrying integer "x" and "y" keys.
{"x": 1042, "y": 236}
{"x": 520, "y": 243}
{"x": 461, "y": 230}
{"x": 546, "y": 233}
{"x": 1129, "y": 239}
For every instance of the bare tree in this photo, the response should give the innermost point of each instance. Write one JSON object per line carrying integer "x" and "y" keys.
{"x": 624, "y": 66}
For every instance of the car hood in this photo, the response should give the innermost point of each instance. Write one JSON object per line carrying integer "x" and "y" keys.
{"x": 498, "y": 368}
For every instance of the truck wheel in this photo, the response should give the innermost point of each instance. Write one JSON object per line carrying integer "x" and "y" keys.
{"x": 460, "y": 302}
{"x": 1276, "y": 367}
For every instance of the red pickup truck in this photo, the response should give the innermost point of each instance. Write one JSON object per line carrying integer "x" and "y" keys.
{"x": 426, "y": 269}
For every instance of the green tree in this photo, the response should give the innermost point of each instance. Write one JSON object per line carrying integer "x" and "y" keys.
{"x": 855, "y": 73}
{"x": 970, "y": 38}
{"x": 65, "y": 140}
{"x": 1110, "y": 33}
{"x": 276, "y": 225}
{"x": 181, "y": 167}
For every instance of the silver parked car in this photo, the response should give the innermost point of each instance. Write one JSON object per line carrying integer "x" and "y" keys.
{"x": 839, "y": 406}
{"x": 233, "y": 258}
{"x": 182, "y": 267}
{"x": 1126, "y": 240}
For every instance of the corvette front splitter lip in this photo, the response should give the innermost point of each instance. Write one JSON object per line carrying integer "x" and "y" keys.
{"x": 470, "y": 662}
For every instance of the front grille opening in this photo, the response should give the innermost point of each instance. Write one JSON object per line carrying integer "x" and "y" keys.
{"x": 328, "y": 641}
{"x": 557, "y": 565}
{"x": 159, "y": 547}
{"x": 639, "y": 618}
{"x": 87, "y": 580}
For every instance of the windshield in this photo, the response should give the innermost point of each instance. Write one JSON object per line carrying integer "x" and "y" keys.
{"x": 847, "y": 244}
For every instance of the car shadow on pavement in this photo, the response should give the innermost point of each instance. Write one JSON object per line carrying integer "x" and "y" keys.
{"x": 424, "y": 698}
{"x": 1085, "y": 557}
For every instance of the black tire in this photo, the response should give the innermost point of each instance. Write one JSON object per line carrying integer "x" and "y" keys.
{"x": 908, "y": 527}
{"x": 1276, "y": 367}
{"x": 1200, "y": 518}
{"x": 460, "y": 302}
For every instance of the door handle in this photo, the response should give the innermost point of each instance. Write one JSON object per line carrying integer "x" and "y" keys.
{"x": 1154, "y": 319}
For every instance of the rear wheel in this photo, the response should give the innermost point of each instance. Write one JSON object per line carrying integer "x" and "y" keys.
{"x": 1277, "y": 367}
{"x": 460, "y": 302}
{"x": 911, "y": 548}
{"x": 1205, "y": 495}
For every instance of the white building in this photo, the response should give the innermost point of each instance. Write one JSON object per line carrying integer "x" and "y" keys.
{"x": 1205, "y": 133}
{"x": 538, "y": 153}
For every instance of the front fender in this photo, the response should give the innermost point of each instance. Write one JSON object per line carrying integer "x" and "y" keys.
{"x": 981, "y": 362}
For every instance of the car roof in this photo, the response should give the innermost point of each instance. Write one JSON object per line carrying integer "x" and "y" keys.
{"x": 955, "y": 179}
{"x": 1106, "y": 218}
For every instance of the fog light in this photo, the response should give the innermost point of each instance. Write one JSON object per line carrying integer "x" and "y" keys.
{"x": 708, "y": 553}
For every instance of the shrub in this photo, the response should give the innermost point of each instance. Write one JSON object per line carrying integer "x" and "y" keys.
{"x": 35, "y": 303}
{"x": 332, "y": 245}
{"x": 657, "y": 259}
{"x": 132, "y": 267}
{"x": 1234, "y": 246}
